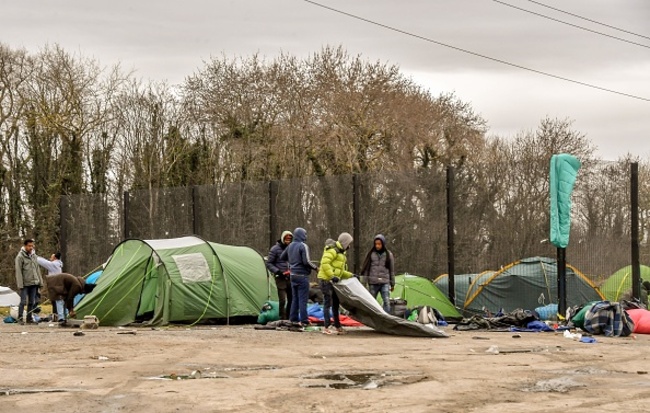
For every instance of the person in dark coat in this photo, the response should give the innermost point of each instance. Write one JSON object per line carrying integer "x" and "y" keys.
{"x": 379, "y": 269}
{"x": 280, "y": 269}
{"x": 65, "y": 287}
{"x": 300, "y": 266}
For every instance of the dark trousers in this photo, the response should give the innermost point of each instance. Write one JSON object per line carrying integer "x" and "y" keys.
{"x": 300, "y": 292}
{"x": 285, "y": 300}
{"x": 28, "y": 296}
{"x": 330, "y": 301}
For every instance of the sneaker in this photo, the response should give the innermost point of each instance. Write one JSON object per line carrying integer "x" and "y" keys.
{"x": 327, "y": 331}
{"x": 339, "y": 330}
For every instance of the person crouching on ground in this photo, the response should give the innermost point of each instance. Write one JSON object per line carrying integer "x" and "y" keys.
{"x": 65, "y": 287}
{"x": 379, "y": 268}
{"x": 300, "y": 267}
{"x": 333, "y": 267}
{"x": 280, "y": 269}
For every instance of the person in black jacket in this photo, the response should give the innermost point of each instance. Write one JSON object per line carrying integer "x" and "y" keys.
{"x": 280, "y": 269}
{"x": 300, "y": 266}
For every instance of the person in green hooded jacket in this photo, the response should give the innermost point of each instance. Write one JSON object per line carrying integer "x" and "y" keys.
{"x": 333, "y": 267}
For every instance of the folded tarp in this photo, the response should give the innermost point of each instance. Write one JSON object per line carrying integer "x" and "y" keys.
{"x": 365, "y": 309}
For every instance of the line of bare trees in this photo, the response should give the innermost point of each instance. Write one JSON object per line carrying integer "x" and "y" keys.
{"x": 69, "y": 125}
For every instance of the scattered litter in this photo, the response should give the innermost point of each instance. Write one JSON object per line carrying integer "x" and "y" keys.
{"x": 587, "y": 340}
{"x": 516, "y": 336}
{"x": 78, "y": 333}
{"x": 50, "y": 325}
{"x": 370, "y": 385}
{"x": 558, "y": 385}
{"x": 641, "y": 372}
{"x": 497, "y": 350}
{"x": 572, "y": 336}
{"x": 365, "y": 380}
{"x": 103, "y": 358}
{"x": 480, "y": 338}
{"x": 24, "y": 332}
{"x": 196, "y": 374}
{"x": 493, "y": 350}
{"x": 127, "y": 332}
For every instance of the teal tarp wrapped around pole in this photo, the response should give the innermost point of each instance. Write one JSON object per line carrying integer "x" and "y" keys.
{"x": 564, "y": 169}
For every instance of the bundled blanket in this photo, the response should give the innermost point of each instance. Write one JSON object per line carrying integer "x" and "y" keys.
{"x": 516, "y": 318}
{"x": 608, "y": 318}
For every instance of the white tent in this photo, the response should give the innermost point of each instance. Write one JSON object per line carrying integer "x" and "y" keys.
{"x": 8, "y": 297}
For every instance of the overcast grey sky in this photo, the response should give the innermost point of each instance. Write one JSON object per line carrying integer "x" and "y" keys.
{"x": 163, "y": 39}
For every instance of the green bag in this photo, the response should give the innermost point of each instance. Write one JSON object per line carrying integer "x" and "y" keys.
{"x": 270, "y": 312}
{"x": 578, "y": 320}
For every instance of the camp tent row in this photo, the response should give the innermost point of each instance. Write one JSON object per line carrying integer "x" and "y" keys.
{"x": 528, "y": 283}
{"x": 184, "y": 280}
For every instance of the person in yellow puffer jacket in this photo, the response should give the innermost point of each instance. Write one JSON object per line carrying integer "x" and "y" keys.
{"x": 333, "y": 267}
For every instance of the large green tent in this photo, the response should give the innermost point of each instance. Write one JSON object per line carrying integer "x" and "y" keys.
{"x": 419, "y": 291}
{"x": 178, "y": 280}
{"x": 528, "y": 284}
{"x": 621, "y": 281}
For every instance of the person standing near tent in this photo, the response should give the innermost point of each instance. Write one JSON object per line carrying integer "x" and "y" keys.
{"x": 281, "y": 271}
{"x": 300, "y": 267}
{"x": 333, "y": 267}
{"x": 53, "y": 266}
{"x": 65, "y": 287}
{"x": 28, "y": 279}
{"x": 379, "y": 269}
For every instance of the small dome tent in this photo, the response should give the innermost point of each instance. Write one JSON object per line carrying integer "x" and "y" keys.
{"x": 621, "y": 281}
{"x": 419, "y": 291}
{"x": 178, "y": 280}
{"x": 528, "y": 284}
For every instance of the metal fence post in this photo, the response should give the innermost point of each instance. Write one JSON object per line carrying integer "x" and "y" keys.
{"x": 273, "y": 213}
{"x": 356, "y": 221}
{"x": 63, "y": 226}
{"x": 194, "y": 195}
{"x": 450, "y": 235}
{"x": 127, "y": 230}
{"x": 634, "y": 230}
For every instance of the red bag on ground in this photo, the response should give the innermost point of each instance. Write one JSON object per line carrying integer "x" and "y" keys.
{"x": 641, "y": 320}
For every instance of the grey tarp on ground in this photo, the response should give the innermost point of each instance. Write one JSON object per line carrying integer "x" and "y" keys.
{"x": 8, "y": 297}
{"x": 365, "y": 309}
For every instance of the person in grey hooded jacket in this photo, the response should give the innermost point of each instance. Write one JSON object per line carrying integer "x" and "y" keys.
{"x": 379, "y": 268}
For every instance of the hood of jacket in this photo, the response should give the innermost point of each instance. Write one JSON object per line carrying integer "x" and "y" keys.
{"x": 345, "y": 240}
{"x": 381, "y": 238}
{"x": 299, "y": 235}
{"x": 330, "y": 243}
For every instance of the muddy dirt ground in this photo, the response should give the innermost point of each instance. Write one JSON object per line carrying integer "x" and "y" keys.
{"x": 46, "y": 368}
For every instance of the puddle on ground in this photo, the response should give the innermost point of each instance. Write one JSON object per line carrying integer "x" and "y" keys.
{"x": 195, "y": 375}
{"x": 208, "y": 368}
{"x": 11, "y": 392}
{"x": 366, "y": 380}
{"x": 557, "y": 385}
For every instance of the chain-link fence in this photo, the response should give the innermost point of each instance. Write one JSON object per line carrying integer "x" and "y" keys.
{"x": 91, "y": 226}
{"x": 495, "y": 223}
